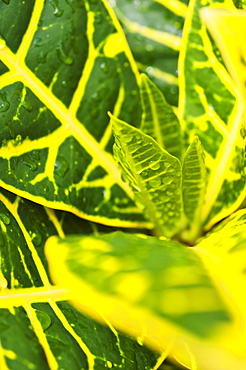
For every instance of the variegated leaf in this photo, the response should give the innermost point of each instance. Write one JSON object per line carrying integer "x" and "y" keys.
{"x": 159, "y": 120}
{"x": 61, "y": 70}
{"x": 39, "y": 329}
{"x": 153, "y": 29}
{"x": 153, "y": 174}
{"x": 210, "y": 107}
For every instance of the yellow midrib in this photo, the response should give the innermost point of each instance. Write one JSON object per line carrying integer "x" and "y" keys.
{"x": 65, "y": 117}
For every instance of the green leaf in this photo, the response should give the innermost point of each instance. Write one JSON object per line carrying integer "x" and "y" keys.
{"x": 153, "y": 174}
{"x": 39, "y": 329}
{"x": 153, "y": 30}
{"x": 155, "y": 290}
{"x": 211, "y": 108}
{"x": 159, "y": 120}
{"x": 194, "y": 187}
{"x": 61, "y": 71}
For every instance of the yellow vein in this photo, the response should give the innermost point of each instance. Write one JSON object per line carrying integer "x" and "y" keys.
{"x": 62, "y": 113}
{"x": 67, "y": 326}
{"x": 32, "y": 27}
{"x": 158, "y": 73}
{"x": 177, "y": 7}
{"x": 51, "y": 214}
{"x": 161, "y": 37}
{"x": 19, "y": 297}
{"x": 37, "y": 327}
{"x": 13, "y": 210}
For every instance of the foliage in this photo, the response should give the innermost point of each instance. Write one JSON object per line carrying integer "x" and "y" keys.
{"x": 122, "y": 222}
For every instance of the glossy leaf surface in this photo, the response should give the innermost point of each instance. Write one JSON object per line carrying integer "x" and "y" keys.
{"x": 153, "y": 174}
{"x": 210, "y": 107}
{"x": 61, "y": 71}
{"x": 159, "y": 120}
{"x": 38, "y": 328}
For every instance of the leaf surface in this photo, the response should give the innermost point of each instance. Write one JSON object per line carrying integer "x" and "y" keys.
{"x": 210, "y": 107}
{"x": 153, "y": 174}
{"x": 155, "y": 290}
{"x": 194, "y": 186}
{"x": 153, "y": 30}
{"x": 39, "y": 329}
{"x": 60, "y": 73}
{"x": 159, "y": 120}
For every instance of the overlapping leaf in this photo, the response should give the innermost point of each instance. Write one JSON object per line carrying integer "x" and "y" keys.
{"x": 38, "y": 328}
{"x": 153, "y": 289}
{"x": 211, "y": 108}
{"x": 153, "y": 30}
{"x": 158, "y": 119}
{"x": 153, "y": 174}
{"x": 63, "y": 66}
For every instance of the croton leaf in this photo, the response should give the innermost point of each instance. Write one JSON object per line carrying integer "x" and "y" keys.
{"x": 63, "y": 65}
{"x": 193, "y": 186}
{"x": 211, "y": 107}
{"x": 158, "y": 119}
{"x": 153, "y": 30}
{"x": 154, "y": 289}
{"x": 153, "y": 174}
{"x": 39, "y": 329}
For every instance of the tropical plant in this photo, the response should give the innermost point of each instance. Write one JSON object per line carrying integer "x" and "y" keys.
{"x": 122, "y": 219}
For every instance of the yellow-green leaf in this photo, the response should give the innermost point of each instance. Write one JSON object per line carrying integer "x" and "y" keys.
{"x": 159, "y": 120}
{"x": 153, "y": 174}
{"x": 194, "y": 187}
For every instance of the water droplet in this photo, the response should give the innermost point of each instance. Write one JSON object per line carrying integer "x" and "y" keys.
{"x": 36, "y": 239}
{"x": 167, "y": 180}
{"x": 154, "y": 165}
{"x": 44, "y": 319}
{"x": 95, "y": 96}
{"x": 27, "y": 105}
{"x": 127, "y": 138}
{"x": 38, "y": 41}
{"x": 4, "y": 103}
{"x": 57, "y": 11}
{"x": 30, "y": 162}
{"x": 104, "y": 67}
{"x": 155, "y": 183}
{"x": 98, "y": 18}
{"x": 61, "y": 166}
{"x": 5, "y": 218}
{"x": 63, "y": 55}
{"x": 64, "y": 83}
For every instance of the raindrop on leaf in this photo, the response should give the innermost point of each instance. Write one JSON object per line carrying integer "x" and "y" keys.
{"x": 4, "y": 103}
{"x": 61, "y": 166}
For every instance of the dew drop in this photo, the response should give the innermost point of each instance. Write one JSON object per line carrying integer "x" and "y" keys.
{"x": 36, "y": 239}
{"x": 167, "y": 180}
{"x": 44, "y": 319}
{"x": 5, "y": 218}
{"x": 127, "y": 138}
{"x": 64, "y": 83}
{"x": 63, "y": 55}
{"x": 27, "y": 105}
{"x": 154, "y": 165}
{"x": 4, "y": 103}
{"x": 57, "y": 11}
{"x": 61, "y": 166}
{"x": 29, "y": 162}
{"x": 155, "y": 183}
{"x": 104, "y": 67}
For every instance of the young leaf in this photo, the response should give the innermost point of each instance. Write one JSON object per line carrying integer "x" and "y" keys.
{"x": 153, "y": 174}
{"x": 194, "y": 186}
{"x": 159, "y": 120}
{"x": 155, "y": 290}
{"x": 211, "y": 108}
{"x": 39, "y": 329}
{"x": 60, "y": 72}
